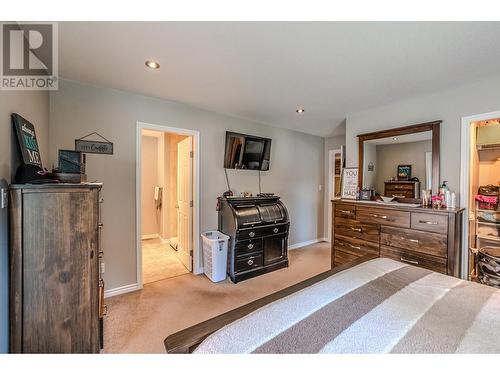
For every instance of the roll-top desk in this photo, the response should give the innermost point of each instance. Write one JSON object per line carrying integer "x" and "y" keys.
{"x": 425, "y": 237}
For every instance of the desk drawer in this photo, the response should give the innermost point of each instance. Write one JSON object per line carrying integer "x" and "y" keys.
{"x": 347, "y": 211}
{"x": 381, "y": 216}
{"x": 246, "y": 247}
{"x": 422, "y": 242}
{"x": 249, "y": 263}
{"x": 429, "y": 222}
{"x": 430, "y": 262}
{"x": 356, "y": 229}
{"x": 256, "y": 232}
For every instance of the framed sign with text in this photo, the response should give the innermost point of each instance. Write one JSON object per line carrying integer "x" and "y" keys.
{"x": 350, "y": 183}
{"x": 26, "y": 137}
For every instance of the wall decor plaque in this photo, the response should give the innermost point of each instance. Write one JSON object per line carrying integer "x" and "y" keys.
{"x": 94, "y": 147}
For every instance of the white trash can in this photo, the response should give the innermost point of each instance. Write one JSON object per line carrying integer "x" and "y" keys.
{"x": 215, "y": 255}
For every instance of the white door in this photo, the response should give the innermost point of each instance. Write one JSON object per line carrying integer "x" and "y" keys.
{"x": 185, "y": 201}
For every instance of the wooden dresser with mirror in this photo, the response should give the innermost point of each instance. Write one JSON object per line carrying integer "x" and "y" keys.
{"x": 402, "y": 230}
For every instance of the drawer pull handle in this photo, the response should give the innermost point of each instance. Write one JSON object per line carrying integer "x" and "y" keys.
{"x": 348, "y": 244}
{"x": 382, "y": 217}
{"x": 250, "y": 246}
{"x": 412, "y": 240}
{"x": 357, "y": 229}
{"x": 408, "y": 261}
{"x": 347, "y": 212}
{"x": 250, "y": 262}
{"x": 251, "y": 234}
{"x": 275, "y": 230}
{"x": 428, "y": 222}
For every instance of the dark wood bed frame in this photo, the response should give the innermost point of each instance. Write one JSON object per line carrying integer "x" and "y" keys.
{"x": 185, "y": 341}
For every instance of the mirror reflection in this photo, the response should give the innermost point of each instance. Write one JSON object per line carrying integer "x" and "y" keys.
{"x": 398, "y": 166}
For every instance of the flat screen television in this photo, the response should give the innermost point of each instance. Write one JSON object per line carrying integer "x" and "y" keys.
{"x": 247, "y": 152}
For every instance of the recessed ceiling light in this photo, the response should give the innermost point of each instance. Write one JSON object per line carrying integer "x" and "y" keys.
{"x": 300, "y": 110}
{"x": 152, "y": 64}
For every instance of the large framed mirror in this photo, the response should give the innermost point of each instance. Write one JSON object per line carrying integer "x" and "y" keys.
{"x": 400, "y": 162}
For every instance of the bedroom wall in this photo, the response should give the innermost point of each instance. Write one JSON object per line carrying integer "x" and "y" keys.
{"x": 78, "y": 109}
{"x": 34, "y": 106}
{"x": 449, "y": 106}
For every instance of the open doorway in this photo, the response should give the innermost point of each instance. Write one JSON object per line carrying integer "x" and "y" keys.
{"x": 480, "y": 184}
{"x": 166, "y": 212}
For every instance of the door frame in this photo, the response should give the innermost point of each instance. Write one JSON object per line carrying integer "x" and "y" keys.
{"x": 197, "y": 265}
{"x": 331, "y": 188}
{"x": 465, "y": 180}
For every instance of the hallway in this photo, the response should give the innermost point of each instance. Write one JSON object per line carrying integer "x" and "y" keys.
{"x": 159, "y": 261}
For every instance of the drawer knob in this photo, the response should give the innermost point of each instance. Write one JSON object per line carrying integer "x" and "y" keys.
{"x": 251, "y": 234}
{"x": 428, "y": 222}
{"x": 275, "y": 230}
{"x": 347, "y": 212}
{"x": 250, "y": 262}
{"x": 408, "y": 261}
{"x": 250, "y": 246}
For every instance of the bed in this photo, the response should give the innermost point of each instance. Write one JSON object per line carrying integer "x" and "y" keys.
{"x": 369, "y": 306}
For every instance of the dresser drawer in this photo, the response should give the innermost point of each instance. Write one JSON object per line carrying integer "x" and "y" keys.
{"x": 422, "y": 242}
{"x": 430, "y": 262}
{"x": 249, "y": 263}
{"x": 346, "y": 211}
{"x": 246, "y": 247}
{"x": 356, "y": 229}
{"x": 355, "y": 246}
{"x": 381, "y": 216}
{"x": 429, "y": 222}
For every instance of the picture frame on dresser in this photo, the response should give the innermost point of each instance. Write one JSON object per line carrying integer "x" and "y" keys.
{"x": 349, "y": 186}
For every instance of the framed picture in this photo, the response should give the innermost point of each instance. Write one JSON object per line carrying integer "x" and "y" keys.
{"x": 404, "y": 172}
{"x": 350, "y": 183}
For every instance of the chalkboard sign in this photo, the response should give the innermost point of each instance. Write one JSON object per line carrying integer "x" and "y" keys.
{"x": 350, "y": 183}
{"x": 26, "y": 138}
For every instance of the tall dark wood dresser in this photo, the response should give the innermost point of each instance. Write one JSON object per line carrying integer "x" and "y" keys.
{"x": 55, "y": 291}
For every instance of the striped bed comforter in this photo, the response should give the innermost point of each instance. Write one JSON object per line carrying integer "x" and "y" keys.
{"x": 380, "y": 306}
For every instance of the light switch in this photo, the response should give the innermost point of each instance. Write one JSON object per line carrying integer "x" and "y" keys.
{"x": 4, "y": 198}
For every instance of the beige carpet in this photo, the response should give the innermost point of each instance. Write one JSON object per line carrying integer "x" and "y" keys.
{"x": 159, "y": 261}
{"x": 138, "y": 322}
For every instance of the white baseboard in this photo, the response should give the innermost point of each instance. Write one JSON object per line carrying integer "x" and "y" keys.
{"x": 121, "y": 290}
{"x": 150, "y": 236}
{"x": 305, "y": 243}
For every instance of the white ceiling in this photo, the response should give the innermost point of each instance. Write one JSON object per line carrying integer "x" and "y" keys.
{"x": 264, "y": 71}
